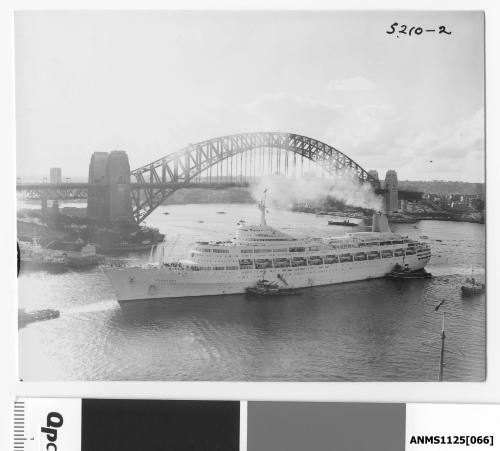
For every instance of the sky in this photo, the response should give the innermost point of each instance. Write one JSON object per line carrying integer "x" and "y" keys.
{"x": 150, "y": 83}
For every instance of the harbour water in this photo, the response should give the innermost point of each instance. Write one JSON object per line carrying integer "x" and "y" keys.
{"x": 376, "y": 330}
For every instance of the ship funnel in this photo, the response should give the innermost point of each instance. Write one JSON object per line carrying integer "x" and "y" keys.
{"x": 380, "y": 223}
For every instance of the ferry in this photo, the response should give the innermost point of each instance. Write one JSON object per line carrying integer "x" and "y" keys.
{"x": 345, "y": 222}
{"x": 229, "y": 267}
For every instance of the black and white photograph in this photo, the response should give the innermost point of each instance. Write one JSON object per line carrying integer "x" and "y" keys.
{"x": 251, "y": 195}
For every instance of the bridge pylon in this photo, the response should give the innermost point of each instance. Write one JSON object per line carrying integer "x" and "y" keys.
{"x": 109, "y": 198}
{"x": 391, "y": 187}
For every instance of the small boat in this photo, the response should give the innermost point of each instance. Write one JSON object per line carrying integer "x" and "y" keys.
{"x": 399, "y": 272}
{"x": 266, "y": 288}
{"x": 166, "y": 213}
{"x": 221, "y": 212}
{"x": 472, "y": 287}
{"x": 345, "y": 222}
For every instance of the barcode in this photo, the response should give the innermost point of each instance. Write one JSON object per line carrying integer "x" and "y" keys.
{"x": 19, "y": 415}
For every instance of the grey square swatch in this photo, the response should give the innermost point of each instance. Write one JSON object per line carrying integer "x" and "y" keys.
{"x": 294, "y": 426}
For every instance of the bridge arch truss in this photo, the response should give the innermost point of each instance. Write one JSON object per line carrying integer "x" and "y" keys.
{"x": 153, "y": 183}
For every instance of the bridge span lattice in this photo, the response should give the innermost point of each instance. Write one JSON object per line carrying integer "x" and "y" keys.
{"x": 235, "y": 159}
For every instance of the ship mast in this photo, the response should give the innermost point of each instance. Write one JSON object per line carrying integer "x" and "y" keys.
{"x": 262, "y": 207}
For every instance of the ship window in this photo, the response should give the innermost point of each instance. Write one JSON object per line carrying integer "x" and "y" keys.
{"x": 232, "y": 267}
{"x": 221, "y": 251}
{"x": 247, "y": 251}
{"x": 281, "y": 262}
{"x": 299, "y": 261}
{"x": 331, "y": 259}
{"x": 297, "y": 249}
{"x": 346, "y": 258}
{"x": 219, "y": 267}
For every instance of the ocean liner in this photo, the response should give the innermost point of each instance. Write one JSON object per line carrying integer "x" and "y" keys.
{"x": 261, "y": 252}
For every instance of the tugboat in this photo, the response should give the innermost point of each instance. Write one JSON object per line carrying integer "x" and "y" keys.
{"x": 472, "y": 287}
{"x": 399, "y": 272}
{"x": 266, "y": 288}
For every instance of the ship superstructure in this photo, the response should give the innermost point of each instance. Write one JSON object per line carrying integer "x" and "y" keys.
{"x": 261, "y": 252}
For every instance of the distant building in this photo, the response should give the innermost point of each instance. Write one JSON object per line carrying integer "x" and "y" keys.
{"x": 55, "y": 175}
{"x": 457, "y": 202}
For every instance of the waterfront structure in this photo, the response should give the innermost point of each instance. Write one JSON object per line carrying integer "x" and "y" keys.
{"x": 456, "y": 202}
{"x": 55, "y": 175}
{"x": 260, "y": 252}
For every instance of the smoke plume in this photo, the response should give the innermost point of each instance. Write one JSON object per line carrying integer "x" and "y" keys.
{"x": 284, "y": 192}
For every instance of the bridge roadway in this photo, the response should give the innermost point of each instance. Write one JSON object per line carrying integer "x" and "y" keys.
{"x": 68, "y": 186}
{"x": 62, "y": 190}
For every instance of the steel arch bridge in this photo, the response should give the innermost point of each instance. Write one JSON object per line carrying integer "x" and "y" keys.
{"x": 153, "y": 183}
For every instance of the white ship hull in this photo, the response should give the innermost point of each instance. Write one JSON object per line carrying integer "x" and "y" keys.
{"x": 165, "y": 282}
